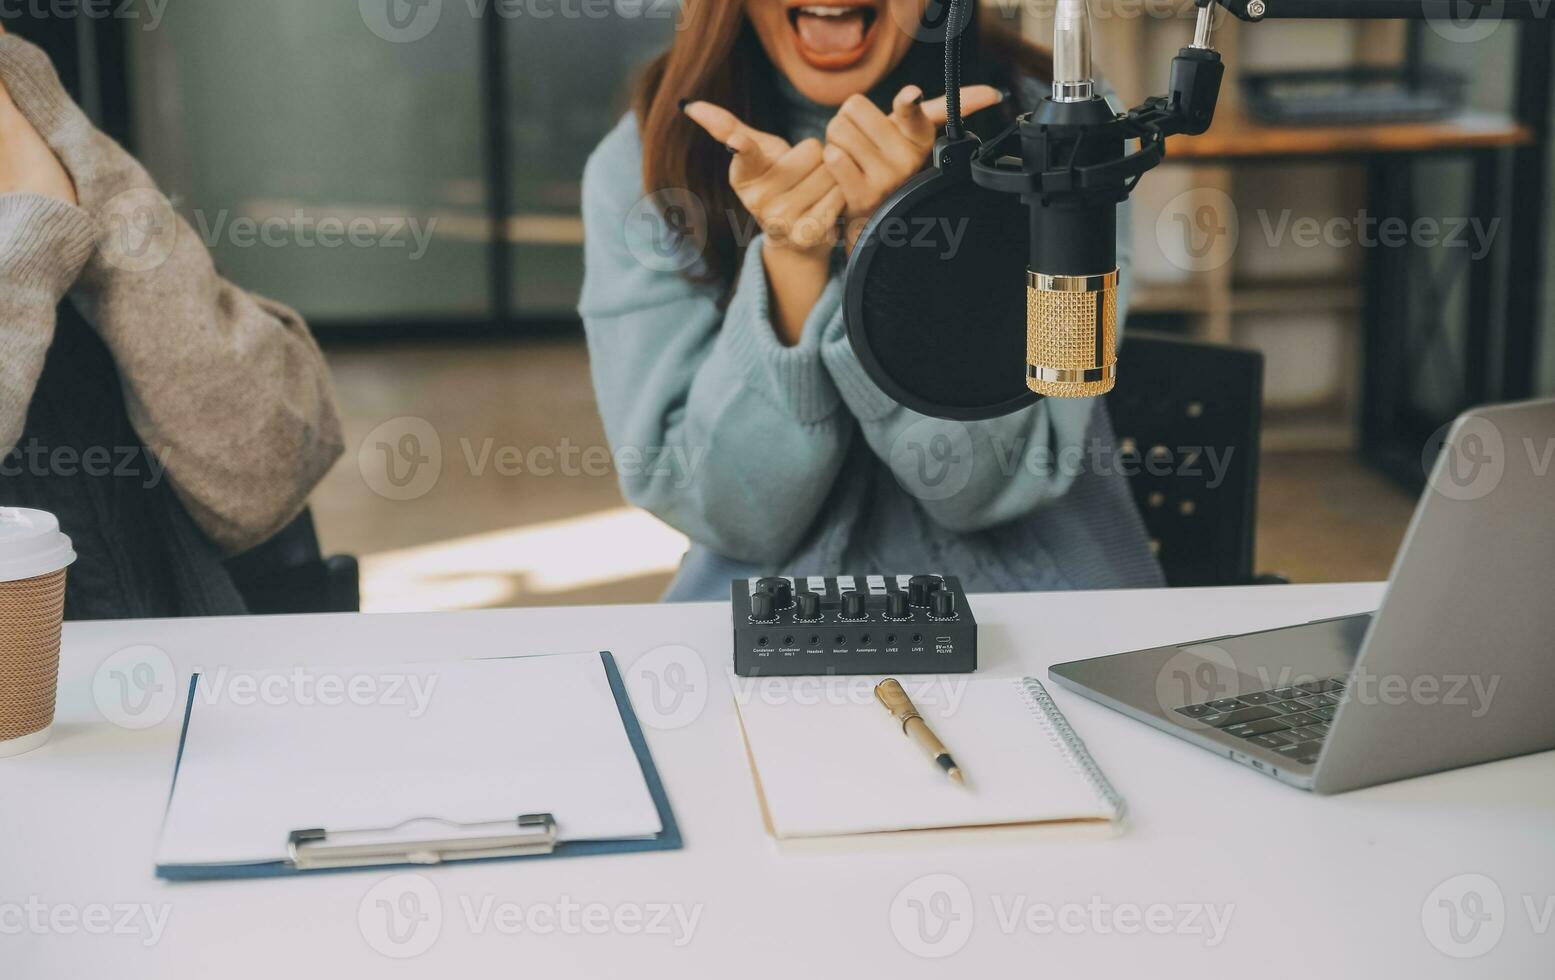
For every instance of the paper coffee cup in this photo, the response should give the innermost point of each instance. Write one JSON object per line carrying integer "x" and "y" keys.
{"x": 33, "y": 557}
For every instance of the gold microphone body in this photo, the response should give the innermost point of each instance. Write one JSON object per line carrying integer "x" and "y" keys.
{"x": 1072, "y": 302}
{"x": 1071, "y": 334}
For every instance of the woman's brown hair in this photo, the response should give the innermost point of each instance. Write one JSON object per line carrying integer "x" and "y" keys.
{"x": 717, "y": 57}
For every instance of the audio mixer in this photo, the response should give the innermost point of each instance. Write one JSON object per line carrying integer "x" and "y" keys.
{"x": 852, "y": 624}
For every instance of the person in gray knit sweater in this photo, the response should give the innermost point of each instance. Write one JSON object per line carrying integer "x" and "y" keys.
{"x": 786, "y": 127}
{"x": 169, "y": 418}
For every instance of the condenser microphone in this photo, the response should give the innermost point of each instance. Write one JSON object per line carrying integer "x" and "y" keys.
{"x": 935, "y": 307}
{"x": 1072, "y": 279}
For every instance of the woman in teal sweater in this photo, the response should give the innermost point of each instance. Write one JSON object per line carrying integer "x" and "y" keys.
{"x": 718, "y": 217}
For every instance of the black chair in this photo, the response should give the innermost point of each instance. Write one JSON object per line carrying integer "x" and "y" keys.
{"x": 1188, "y": 417}
{"x": 289, "y": 574}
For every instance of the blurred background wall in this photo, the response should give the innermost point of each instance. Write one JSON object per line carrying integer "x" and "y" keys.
{"x": 447, "y": 138}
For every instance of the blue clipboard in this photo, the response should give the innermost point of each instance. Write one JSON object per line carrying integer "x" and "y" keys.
{"x": 668, "y": 838}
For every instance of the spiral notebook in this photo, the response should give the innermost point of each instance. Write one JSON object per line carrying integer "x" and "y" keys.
{"x": 829, "y": 761}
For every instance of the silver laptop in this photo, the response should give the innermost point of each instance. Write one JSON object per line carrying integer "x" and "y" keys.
{"x": 1456, "y": 668}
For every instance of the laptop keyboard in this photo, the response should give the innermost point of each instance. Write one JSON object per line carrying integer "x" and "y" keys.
{"x": 1292, "y": 721}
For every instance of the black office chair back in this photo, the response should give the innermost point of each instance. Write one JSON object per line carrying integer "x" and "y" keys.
{"x": 289, "y": 574}
{"x": 1188, "y": 416}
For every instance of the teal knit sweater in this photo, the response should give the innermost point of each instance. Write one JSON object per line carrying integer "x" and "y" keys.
{"x": 790, "y": 460}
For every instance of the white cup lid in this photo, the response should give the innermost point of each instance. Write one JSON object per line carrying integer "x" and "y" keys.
{"x": 31, "y": 544}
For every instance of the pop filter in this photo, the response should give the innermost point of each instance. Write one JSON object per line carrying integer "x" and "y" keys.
{"x": 929, "y": 306}
{"x": 932, "y": 304}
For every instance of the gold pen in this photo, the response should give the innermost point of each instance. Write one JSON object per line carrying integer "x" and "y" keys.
{"x": 890, "y": 694}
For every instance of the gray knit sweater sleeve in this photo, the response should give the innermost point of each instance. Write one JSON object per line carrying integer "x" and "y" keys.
{"x": 228, "y": 388}
{"x": 43, "y": 245}
{"x": 734, "y": 439}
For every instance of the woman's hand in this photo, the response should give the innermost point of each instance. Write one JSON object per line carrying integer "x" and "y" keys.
{"x": 794, "y": 198}
{"x": 787, "y": 189}
{"x": 871, "y": 154}
{"x": 27, "y": 165}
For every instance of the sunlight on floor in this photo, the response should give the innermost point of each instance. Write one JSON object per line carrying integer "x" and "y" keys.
{"x": 535, "y": 561}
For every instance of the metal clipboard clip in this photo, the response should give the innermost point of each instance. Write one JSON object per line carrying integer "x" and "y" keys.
{"x": 424, "y": 840}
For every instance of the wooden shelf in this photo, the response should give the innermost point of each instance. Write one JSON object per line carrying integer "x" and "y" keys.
{"x": 1237, "y": 137}
{"x": 1326, "y": 426}
{"x": 1276, "y": 297}
{"x": 1187, "y": 297}
{"x": 1265, "y": 296}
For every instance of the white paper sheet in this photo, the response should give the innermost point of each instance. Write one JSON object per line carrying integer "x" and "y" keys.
{"x": 830, "y": 760}
{"x": 354, "y": 749}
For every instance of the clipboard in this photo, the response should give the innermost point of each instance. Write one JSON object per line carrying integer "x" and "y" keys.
{"x": 430, "y": 841}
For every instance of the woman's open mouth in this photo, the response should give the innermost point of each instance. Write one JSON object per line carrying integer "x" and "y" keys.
{"x": 834, "y": 36}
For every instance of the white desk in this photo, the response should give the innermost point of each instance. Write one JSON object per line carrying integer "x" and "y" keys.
{"x": 1335, "y": 885}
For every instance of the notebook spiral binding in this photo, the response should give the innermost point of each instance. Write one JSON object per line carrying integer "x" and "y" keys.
{"x": 1066, "y": 741}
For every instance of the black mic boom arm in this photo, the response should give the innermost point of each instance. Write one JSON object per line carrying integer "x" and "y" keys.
{"x": 1189, "y": 109}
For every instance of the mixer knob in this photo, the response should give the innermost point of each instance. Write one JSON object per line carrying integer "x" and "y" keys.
{"x": 780, "y": 589}
{"x": 853, "y": 605}
{"x": 809, "y": 605}
{"x": 762, "y": 609}
{"x": 921, "y": 589}
{"x": 896, "y": 605}
{"x": 944, "y": 605}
